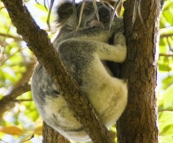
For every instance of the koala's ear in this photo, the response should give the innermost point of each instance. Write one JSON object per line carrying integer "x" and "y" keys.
{"x": 64, "y": 11}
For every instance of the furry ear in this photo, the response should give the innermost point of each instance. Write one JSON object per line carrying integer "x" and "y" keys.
{"x": 64, "y": 11}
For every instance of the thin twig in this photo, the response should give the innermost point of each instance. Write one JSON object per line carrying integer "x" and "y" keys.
{"x": 165, "y": 55}
{"x": 1, "y": 63}
{"x": 11, "y": 36}
{"x": 22, "y": 100}
{"x": 7, "y": 101}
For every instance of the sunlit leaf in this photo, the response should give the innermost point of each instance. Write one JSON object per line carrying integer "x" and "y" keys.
{"x": 38, "y": 130}
{"x": 164, "y": 67}
{"x": 26, "y": 138}
{"x": 167, "y": 82}
{"x": 165, "y": 139}
{"x": 167, "y": 130}
{"x": 168, "y": 97}
{"x": 12, "y": 130}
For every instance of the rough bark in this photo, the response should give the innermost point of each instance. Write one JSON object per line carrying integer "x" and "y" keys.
{"x": 41, "y": 46}
{"x": 51, "y": 136}
{"x": 138, "y": 124}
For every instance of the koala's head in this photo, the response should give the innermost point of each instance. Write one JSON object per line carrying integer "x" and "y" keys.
{"x": 67, "y": 17}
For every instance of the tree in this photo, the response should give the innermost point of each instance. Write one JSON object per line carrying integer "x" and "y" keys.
{"x": 139, "y": 122}
{"x": 134, "y": 117}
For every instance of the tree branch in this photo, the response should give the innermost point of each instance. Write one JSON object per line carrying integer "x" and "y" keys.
{"x": 19, "y": 88}
{"x": 166, "y": 35}
{"x": 51, "y": 136}
{"x": 162, "y": 110}
{"x": 11, "y": 36}
{"x": 40, "y": 44}
{"x": 166, "y": 32}
{"x": 165, "y": 55}
{"x": 7, "y": 101}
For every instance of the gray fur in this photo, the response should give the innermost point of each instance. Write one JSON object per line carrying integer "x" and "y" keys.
{"x": 82, "y": 53}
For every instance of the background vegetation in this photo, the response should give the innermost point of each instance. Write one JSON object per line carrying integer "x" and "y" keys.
{"x": 21, "y": 122}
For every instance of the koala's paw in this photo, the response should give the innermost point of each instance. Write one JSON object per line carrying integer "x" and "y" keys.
{"x": 117, "y": 24}
{"x": 125, "y": 81}
{"x": 119, "y": 38}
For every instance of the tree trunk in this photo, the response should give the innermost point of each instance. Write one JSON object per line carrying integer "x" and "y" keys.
{"x": 138, "y": 124}
{"x": 51, "y": 136}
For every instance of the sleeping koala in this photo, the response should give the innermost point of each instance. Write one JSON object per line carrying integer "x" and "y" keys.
{"x": 83, "y": 53}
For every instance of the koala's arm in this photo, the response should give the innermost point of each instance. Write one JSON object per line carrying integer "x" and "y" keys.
{"x": 96, "y": 39}
{"x": 104, "y": 51}
{"x": 116, "y": 52}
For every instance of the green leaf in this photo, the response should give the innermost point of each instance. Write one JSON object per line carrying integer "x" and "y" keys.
{"x": 164, "y": 68}
{"x": 167, "y": 82}
{"x": 168, "y": 97}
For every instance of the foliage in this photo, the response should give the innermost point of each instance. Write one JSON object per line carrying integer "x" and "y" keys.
{"x": 165, "y": 75}
{"x": 21, "y": 123}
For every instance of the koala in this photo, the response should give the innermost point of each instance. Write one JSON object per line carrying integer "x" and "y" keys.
{"x": 84, "y": 53}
